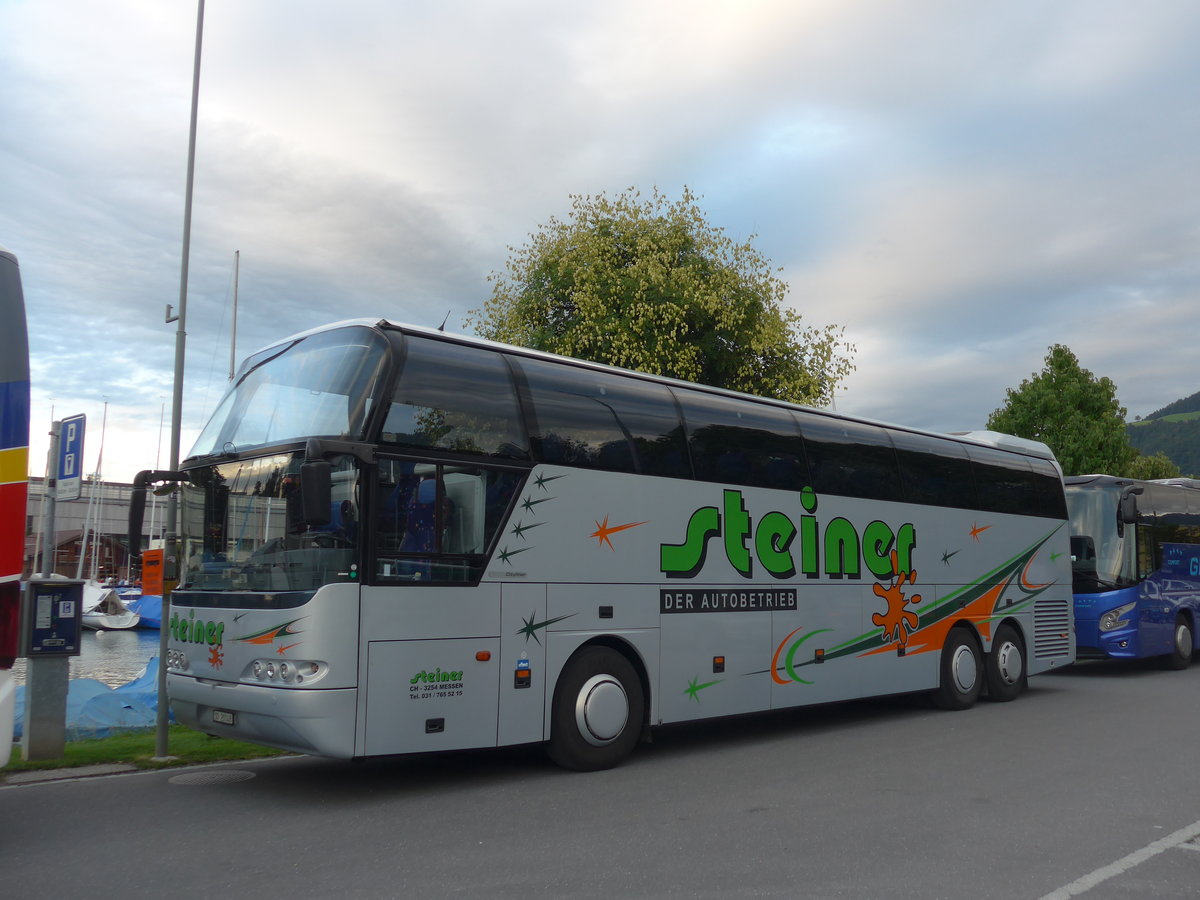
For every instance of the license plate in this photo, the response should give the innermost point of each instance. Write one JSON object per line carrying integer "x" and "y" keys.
{"x": 224, "y": 717}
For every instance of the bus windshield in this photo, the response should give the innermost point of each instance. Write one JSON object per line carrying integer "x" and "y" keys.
{"x": 1103, "y": 556}
{"x": 244, "y": 532}
{"x": 316, "y": 386}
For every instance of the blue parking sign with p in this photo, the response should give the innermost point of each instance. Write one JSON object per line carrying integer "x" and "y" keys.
{"x": 70, "y": 459}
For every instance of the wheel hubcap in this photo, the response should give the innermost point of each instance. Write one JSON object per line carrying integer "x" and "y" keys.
{"x": 1183, "y": 640}
{"x": 601, "y": 710}
{"x": 1009, "y": 663}
{"x": 965, "y": 669}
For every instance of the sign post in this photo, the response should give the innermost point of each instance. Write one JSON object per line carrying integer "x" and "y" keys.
{"x": 69, "y": 470}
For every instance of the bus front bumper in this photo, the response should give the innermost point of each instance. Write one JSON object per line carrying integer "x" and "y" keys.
{"x": 316, "y": 722}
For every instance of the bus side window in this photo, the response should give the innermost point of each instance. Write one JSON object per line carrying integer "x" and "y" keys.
{"x": 601, "y": 420}
{"x": 456, "y": 398}
{"x": 851, "y": 459}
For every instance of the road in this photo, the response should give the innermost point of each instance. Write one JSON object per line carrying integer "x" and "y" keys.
{"x": 1086, "y": 785}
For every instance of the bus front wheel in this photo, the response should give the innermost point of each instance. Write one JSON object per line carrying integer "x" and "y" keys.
{"x": 962, "y": 671}
{"x": 1181, "y": 648}
{"x": 1005, "y": 665}
{"x": 598, "y": 710}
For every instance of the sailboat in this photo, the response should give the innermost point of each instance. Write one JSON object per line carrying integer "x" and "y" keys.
{"x": 104, "y": 610}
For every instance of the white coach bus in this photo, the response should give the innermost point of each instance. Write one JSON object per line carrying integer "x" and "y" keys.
{"x": 398, "y": 541}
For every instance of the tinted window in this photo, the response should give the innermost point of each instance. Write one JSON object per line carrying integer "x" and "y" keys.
{"x": 602, "y": 420}
{"x": 850, "y": 458}
{"x": 934, "y": 471}
{"x": 451, "y": 397}
{"x": 735, "y": 442}
{"x": 1005, "y": 483}
{"x": 1051, "y": 500}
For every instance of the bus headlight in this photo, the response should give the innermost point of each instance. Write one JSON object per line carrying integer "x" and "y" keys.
{"x": 286, "y": 671}
{"x": 1115, "y": 618}
{"x": 176, "y": 660}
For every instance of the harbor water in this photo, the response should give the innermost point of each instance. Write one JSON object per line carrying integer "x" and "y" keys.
{"x": 113, "y": 658}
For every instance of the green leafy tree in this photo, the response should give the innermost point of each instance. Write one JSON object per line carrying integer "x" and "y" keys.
{"x": 1149, "y": 467}
{"x": 648, "y": 284}
{"x": 1072, "y": 411}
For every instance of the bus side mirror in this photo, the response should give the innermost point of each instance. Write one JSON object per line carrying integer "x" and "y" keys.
{"x": 316, "y": 492}
{"x": 1129, "y": 505}
{"x": 1127, "y": 509}
{"x": 137, "y": 503}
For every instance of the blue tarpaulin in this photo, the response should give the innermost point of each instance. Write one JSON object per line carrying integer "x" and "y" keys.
{"x": 94, "y": 710}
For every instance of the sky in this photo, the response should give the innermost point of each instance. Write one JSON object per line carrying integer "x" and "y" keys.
{"x": 958, "y": 185}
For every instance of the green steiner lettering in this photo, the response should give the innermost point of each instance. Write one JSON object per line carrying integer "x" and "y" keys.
{"x": 839, "y": 545}
{"x": 841, "y": 549}
{"x": 737, "y": 530}
{"x": 772, "y": 542}
{"x": 686, "y": 559}
{"x": 878, "y": 539}
{"x": 810, "y": 555}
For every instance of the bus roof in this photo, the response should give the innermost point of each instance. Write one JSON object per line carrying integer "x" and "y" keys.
{"x": 994, "y": 439}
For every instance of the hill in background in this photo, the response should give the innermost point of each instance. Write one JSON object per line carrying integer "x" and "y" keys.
{"x": 1173, "y": 430}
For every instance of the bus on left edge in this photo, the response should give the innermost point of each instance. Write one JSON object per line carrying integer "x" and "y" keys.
{"x": 14, "y": 460}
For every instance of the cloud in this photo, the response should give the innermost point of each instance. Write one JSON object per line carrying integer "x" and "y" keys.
{"x": 960, "y": 186}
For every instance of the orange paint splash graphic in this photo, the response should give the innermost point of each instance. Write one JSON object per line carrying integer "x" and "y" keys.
{"x": 896, "y": 621}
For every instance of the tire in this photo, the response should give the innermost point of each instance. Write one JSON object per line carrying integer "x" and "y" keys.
{"x": 1180, "y": 656}
{"x": 962, "y": 673}
{"x": 598, "y": 711}
{"x": 1005, "y": 667}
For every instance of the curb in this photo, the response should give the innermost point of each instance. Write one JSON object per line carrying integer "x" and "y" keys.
{"x": 65, "y": 774}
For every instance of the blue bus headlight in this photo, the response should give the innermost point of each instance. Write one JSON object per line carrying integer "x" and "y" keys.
{"x": 1115, "y": 618}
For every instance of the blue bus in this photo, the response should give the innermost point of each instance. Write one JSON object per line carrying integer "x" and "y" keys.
{"x": 1135, "y": 556}
{"x": 14, "y": 460}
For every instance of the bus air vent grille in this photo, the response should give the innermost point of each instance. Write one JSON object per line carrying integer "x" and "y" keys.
{"x": 1051, "y": 629}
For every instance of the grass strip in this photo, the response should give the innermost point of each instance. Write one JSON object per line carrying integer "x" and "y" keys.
{"x": 185, "y": 747}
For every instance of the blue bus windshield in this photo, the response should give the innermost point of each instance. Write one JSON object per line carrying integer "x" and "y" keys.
{"x": 1103, "y": 556}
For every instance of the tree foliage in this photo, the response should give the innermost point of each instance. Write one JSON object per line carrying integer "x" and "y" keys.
{"x": 1150, "y": 467}
{"x": 648, "y": 284}
{"x": 1072, "y": 411}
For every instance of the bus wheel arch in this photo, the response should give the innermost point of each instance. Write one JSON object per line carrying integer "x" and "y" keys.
{"x": 599, "y": 708}
{"x": 961, "y": 670}
{"x": 1006, "y": 667}
{"x": 1183, "y": 636}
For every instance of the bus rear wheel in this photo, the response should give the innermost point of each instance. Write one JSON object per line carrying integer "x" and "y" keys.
{"x": 598, "y": 711}
{"x": 961, "y": 671}
{"x": 1005, "y": 665}
{"x": 1181, "y": 648}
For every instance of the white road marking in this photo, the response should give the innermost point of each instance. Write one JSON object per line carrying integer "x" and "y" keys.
{"x": 1137, "y": 857}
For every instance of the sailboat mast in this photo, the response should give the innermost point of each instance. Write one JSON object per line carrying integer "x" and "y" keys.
{"x": 237, "y": 258}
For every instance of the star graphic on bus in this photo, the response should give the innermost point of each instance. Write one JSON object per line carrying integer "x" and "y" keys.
{"x": 506, "y": 555}
{"x": 530, "y": 628}
{"x": 603, "y": 532}
{"x": 529, "y": 503}
{"x": 947, "y": 554}
{"x": 541, "y": 480}
{"x": 520, "y": 528}
{"x": 694, "y": 688}
{"x": 977, "y": 530}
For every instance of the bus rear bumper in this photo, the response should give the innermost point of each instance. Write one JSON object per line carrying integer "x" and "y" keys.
{"x": 316, "y": 722}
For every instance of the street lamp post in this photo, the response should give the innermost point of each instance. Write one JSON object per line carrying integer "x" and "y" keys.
{"x": 172, "y": 535}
